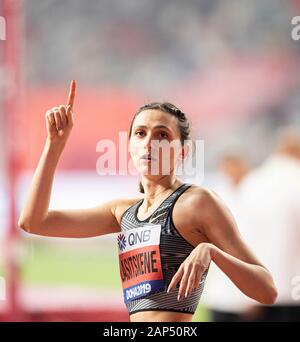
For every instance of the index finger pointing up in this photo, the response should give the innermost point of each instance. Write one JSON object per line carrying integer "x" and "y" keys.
{"x": 72, "y": 93}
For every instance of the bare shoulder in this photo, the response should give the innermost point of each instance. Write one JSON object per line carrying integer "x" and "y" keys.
{"x": 197, "y": 196}
{"x": 121, "y": 205}
{"x": 207, "y": 210}
{"x": 209, "y": 201}
{"x": 199, "y": 205}
{"x": 189, "y": 211}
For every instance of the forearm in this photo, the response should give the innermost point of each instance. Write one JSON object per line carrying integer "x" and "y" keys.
{"x": 253, "y": 280}
{"x": 38, "y": 198}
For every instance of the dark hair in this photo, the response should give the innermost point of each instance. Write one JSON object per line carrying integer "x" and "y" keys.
{"x": 166, "y": 107}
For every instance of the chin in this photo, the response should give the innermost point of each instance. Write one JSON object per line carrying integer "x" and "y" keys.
{"x": 149, "y": 176}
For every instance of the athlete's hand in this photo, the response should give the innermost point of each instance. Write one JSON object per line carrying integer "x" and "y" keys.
{"x": 191, "y": 270}
{"x": 59, "y": 120}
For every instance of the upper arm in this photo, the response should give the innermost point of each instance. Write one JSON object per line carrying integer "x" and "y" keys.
{"x": 81, "y": 223}
{"x": 219, "y": 226}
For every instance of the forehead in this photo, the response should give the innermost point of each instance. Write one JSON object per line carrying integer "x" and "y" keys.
{"x": 154, "y": 117}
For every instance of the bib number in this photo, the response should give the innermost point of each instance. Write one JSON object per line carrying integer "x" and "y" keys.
{"x": 140, "y": 262}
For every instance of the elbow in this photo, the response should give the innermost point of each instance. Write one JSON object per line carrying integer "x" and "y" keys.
{"x": 25, "y": 225}
{"x": 268, "y": 293}
{"x": 270, "y": 296}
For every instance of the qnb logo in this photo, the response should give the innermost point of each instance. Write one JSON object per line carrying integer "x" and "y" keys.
{"x": 141, "y": 237}
{"x": 121, "y": 242}
{"x": 2, "y": 289}
{"x": 296, "y": 288}
{"x": 296, "y": 29}
{"x": 2, "y": 28}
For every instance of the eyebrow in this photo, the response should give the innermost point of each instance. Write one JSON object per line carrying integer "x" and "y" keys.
{"x": 158, "y": 126}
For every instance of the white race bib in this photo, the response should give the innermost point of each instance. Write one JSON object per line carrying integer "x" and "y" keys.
{"x": 140, "y": 261}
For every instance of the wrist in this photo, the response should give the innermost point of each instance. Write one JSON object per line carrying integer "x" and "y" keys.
{"x": 54, "y": 147}
{"x": 212, "y": 250}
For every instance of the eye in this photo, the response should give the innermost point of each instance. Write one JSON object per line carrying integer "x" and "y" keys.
{"x": 139, "y": 133}
{"x": 163, "y": 135}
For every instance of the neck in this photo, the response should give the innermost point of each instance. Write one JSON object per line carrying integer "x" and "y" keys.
{"x": 158, "y": 188}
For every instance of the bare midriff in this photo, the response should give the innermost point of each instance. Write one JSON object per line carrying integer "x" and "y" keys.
{"x": 160, "y": 316}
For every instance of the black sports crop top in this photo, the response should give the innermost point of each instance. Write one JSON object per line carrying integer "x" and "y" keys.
{"x": 150, "y": 253}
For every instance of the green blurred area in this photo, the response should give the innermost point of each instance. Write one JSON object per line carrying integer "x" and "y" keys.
{"x": 87, "y": 265}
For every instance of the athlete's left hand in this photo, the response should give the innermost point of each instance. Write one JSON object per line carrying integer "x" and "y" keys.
{"x": 191, "y": 270}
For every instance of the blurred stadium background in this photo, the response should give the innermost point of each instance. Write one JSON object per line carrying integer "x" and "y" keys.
{"x": 231, "y": 65}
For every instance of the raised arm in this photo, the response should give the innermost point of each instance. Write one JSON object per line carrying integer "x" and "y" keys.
{"x": 35, "y": 217}
{"x": 227, "y": 249}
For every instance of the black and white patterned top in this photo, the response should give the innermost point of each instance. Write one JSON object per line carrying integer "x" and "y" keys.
{"x": 174, "y": 249}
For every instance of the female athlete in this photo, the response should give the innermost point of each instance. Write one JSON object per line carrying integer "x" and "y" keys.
{"x": 168, "y": 238}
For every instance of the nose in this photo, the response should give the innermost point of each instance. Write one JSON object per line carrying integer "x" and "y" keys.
{"x": 147, "y": 142}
